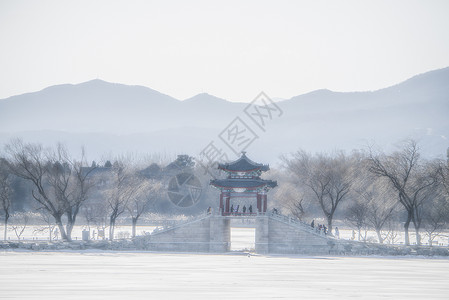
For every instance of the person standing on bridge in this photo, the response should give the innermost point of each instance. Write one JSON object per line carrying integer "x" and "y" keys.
{"x": 244, "y": 209}
{"x": 250, "y": 209}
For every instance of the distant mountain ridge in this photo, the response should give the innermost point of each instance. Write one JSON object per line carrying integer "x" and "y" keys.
{"x": 140, "y": 119}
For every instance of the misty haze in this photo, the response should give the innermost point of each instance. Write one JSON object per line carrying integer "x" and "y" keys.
{"x": 114, "y": 119}
{"x": 224, "y": 150}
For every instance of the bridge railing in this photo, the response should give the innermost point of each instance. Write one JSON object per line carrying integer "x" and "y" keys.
{"x": 295, "y": 222}
{"x": 180, "y": 223}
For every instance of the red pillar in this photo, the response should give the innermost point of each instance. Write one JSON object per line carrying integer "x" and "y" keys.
{"x": 221, "y": 203}
{"x": 228, "y": 198}
{"x": 264, "y": 197}
{"x": 259, "y": 204}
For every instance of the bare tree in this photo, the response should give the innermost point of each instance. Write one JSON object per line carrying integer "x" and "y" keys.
{"x": 49, "y": 222}
{"x": 95, "y": 208}
{"x": 356, "y": 215}
{"x": 146, "y": 192}
{"x": 124, "y": 187}
{"x": 20, "y": 223}
{"x": 96, "y": 212}
{"x": 5, "y": 193}
{"x": 436, "y": 216}
{"x": 86, "y": 213}
{"x": 379, "y": 201}
{"x": 373, "y": 207}
{"x": 409, "y": 177}
{"x": 443, "y": 172}
{"x": 291, "y": 199}
{"x": 80, "y": 183}
{"x": 390, "y": 235}
{"x": 327, "y": 177}
{"x": 296, "y": 207}
{"x": 60, "y": 183}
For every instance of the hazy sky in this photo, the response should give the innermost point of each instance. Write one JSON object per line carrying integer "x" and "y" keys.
{"x": 231, "y": 49}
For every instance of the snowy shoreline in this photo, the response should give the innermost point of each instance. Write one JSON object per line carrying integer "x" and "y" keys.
{"x": 232, "y": 253}
{"x": 128, "y": 246}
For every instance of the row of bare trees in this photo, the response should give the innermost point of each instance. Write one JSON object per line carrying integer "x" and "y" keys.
{"x": 415, "y": 181}
{"x": 372, "y": 189}
{"x": 62, "y": 185}
{"x": 369, "y": 189}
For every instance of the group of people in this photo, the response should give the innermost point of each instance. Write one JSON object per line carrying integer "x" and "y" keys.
{"x": 323, "y": 228}
{"x": 319, "y": 227}
{"x": 245, "y": 210}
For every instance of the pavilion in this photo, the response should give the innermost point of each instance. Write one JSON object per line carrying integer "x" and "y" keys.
{"x": 243, "y": 181}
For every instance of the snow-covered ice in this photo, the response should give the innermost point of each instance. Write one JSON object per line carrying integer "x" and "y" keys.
{"x": 242, "y": 238}
{"x": 138, "y": 275}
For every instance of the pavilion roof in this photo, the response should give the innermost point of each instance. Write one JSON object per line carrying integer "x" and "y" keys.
{"x": 243, "y": 164}
{"x": 242, "y": 183}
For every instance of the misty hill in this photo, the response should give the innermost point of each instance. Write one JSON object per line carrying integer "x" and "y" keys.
{"x": 417, "y": 108}
{"x": 115, "y": 118}
{"x": 99, "y": 106}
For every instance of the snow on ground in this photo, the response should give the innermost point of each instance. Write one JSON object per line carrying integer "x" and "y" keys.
{"x": 40, "y": 232}
{"x": 243, "y": 238}
{"x": 441, "y": 240}
{"x": 96, "y": 274}
{"x": 138, "y": 275}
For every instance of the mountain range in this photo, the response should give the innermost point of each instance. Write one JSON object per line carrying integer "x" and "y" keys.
{"x": 111, "y": 119}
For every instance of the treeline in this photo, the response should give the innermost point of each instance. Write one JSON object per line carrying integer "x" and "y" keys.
{"x": 369, "y": 190}
{"x": 62, "y": 188}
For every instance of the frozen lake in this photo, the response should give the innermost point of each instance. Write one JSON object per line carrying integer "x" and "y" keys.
{"x": 132, "y": 275}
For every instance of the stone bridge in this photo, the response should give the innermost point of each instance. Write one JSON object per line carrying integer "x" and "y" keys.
{"x": 212, "y": 233}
